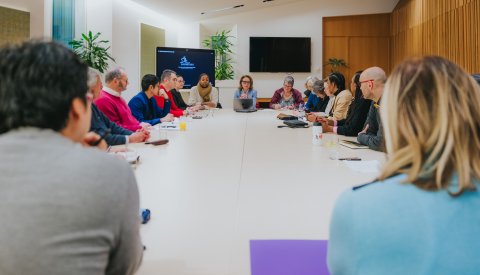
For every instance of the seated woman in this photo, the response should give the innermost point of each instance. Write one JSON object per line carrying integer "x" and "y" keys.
{"x": 245, "y": 89}
{"x": 357, "y": 113}
{"x": 343, "y": 97}
{"x": 204, "y": 94}
{"x": 177, "y": 96}
{"x": 309, "y": 85}
{"x": 318, "y": 99}
{"x": 286, "y": 97}
{"x": 425, "y": 202}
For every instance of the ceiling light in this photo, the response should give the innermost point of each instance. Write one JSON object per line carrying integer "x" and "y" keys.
{"x": 223, "y": 9}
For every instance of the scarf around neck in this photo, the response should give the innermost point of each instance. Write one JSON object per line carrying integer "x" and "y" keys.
{"x": 204, "y": 92}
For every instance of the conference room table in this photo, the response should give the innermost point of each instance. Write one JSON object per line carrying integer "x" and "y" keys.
{"x": 234, "y": 177}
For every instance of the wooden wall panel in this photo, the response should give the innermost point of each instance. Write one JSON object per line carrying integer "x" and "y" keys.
{"x": 334, "y": 47}
{"x": 368, "y": 52}
{"x": 448, "y": 28}
{"x": 362, "y": 40}
{"x": 357, "y": 25}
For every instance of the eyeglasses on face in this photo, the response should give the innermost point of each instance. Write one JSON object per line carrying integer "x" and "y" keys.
{"x": 245, "y": 82}
{"x": 368, "y": 80}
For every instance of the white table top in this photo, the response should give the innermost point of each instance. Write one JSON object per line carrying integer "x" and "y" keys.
{"x": 232, "y": 178}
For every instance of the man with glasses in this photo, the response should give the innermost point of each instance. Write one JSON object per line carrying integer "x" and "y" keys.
{"x": 372, "y": 81}
{"x": 177, "y": 96}
{"x": 113, "y": 105}
{"x": 66, "y": 209}
{"x": 168, "y": 81}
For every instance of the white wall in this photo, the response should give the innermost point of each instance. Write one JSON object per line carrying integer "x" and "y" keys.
{"x": 40, "y": 15}
{"x": 119, "y": 21}
{"x": 300, "y": 19}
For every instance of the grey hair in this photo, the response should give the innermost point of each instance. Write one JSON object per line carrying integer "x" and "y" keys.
{"x": 289, "y": 79}
{"x": 114, "y": 73}
{"x": 309, "y": 82}
{"x": 92, "y": 77}
{"x": 166, "y": 74}
{"x": 318, "y": 87}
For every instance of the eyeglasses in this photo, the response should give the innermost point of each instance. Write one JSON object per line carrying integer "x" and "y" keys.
{"x": 368, "y": 80}
{"x": 287, "y": 86}
{"x": 246, "y": 82}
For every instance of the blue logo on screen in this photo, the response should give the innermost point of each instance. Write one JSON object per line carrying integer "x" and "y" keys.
{"x": 185, "y": 64}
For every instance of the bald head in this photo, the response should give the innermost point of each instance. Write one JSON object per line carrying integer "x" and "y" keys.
{"x": 372, "y": 81}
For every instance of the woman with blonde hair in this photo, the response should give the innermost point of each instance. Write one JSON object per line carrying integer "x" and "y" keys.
{"x": 422, "y": 214}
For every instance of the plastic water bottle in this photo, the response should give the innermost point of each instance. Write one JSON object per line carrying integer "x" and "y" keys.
{"x": 317, "y": 134}
{"x": 301, "y": 110}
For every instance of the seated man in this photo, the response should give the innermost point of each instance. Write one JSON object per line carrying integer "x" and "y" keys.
{"x": 168, "y": 81}
{"x": 143, "y": 105}
{"x": 100, "y": 123}
{"x": 372, "y": 81}
{"x": 113, "y": 105}
{"x": 203, "y": 94}
{"x": 66, "y": 209}
{"x": 177, "y": 96}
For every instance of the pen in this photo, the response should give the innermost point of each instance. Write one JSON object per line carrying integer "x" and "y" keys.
{"x": 353, "y": 158}
{"x": 102, "y": 137}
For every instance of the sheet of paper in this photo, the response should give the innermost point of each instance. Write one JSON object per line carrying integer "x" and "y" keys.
{"x": 364, "y": 166}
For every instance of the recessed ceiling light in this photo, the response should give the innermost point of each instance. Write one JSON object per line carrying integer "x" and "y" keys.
{"x": 223, "y": 9}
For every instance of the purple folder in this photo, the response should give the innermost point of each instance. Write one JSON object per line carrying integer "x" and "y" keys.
{"x": 288, "y": 257}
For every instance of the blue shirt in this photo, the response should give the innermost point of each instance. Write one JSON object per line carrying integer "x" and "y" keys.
{"x": 100, "y": 123}
{"x": 251, "y": 94}
{"x": 145, "y": 109}
{"x": 393, "y": 228}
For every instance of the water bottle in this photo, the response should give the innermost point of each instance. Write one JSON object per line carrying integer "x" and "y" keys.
{"x": 317, "y": 134}
{"x": 301, "y": 110}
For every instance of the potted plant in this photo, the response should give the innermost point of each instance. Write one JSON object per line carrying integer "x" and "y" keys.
{"x": 336, "y": 64}
{"x": 94, "y": 53}
{"x": 220, "y": 43}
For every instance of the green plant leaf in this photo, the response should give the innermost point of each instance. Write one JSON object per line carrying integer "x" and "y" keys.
{"x": 92, "y": 52}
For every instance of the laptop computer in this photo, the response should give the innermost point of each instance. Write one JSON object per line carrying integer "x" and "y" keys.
{"x": 243, "y": 105}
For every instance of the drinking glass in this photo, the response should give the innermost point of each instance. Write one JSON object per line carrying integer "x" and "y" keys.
{"x": 330, "y": 141}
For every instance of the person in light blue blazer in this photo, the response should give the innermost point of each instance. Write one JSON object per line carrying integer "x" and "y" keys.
{"x": 245, "y": 89}
{"x": 422, "y": 214}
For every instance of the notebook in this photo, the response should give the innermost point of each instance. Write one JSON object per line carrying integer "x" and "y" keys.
{"x": 353, "y": 144}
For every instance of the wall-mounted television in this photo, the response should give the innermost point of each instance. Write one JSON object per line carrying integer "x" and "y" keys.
{"x": 280, "y": 54}
{"x": 189, "y": 63}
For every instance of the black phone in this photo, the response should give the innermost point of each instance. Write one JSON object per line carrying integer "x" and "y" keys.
{"x": 196, "y": 117}
{"x": 157, "y": 142}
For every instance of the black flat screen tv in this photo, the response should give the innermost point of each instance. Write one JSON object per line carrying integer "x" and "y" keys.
{"x": 280, "y": 54}
{"x": 189, "y": 63}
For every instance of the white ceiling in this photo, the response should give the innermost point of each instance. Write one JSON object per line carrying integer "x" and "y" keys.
{"x": 190, "y": 10}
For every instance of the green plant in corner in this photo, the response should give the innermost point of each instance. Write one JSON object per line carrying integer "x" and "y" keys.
{"x": 94, "y": 53}
{"x": 220, "y": 43}
{"x": 336, "y": 64}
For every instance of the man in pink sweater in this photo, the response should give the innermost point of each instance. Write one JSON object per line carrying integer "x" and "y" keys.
{"x": 113, "y": 105}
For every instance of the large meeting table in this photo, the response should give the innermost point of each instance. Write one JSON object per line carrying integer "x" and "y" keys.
{"x": 231, "y": 178}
